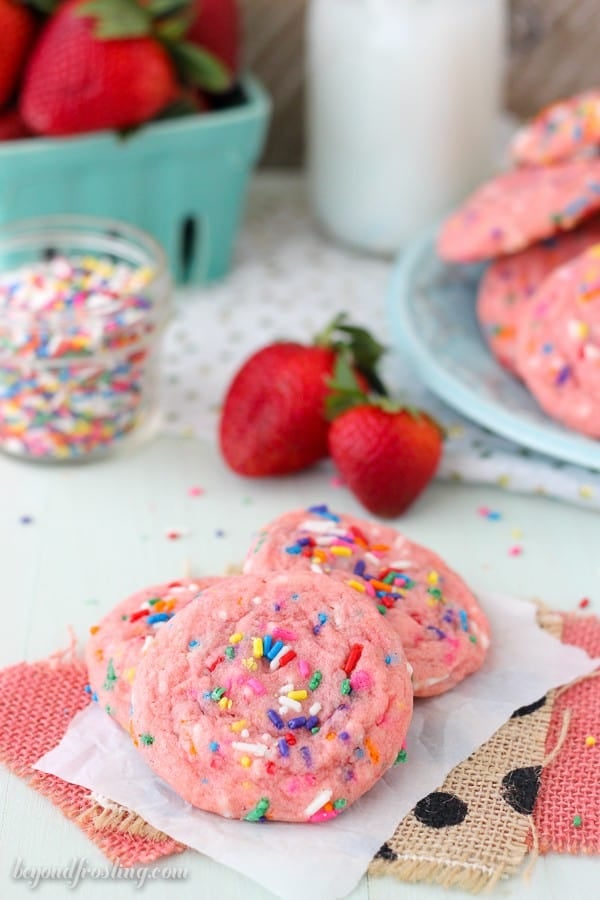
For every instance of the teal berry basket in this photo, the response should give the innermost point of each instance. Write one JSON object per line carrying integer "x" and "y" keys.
{"x": 182, "y": 180}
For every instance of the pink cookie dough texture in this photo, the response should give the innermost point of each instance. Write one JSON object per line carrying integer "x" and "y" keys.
{"x": 558, "y": 351}
{"x": 119, "y": 641}
{"x": 508, "y": 285}
{"x": 519, "y": 208}
{"x": 563, "y": 130}
{"x": 278, "y": 697}
{"x": 444, "y": 632}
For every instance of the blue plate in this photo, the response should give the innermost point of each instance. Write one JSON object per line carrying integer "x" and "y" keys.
{"x": 431, "y": 307}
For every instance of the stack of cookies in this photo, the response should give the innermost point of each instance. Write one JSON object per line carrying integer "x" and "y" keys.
{"x": 539, "y": 300}
{"x": 286, "y": 692}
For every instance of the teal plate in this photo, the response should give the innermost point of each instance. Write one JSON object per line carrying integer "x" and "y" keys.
{"x": 431, "y": 308}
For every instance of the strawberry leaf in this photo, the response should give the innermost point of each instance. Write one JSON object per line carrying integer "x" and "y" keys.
{"x": 116, "y": 19}
{"x": 172, "y": 30}
{"x": 160, "y": 8}
{"x": 199, "y": 67}
{"x": 345, "y": 391}
{"x": 364, "y": 349}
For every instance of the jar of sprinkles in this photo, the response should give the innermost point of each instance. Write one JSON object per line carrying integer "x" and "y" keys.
{"x": 83, "y": 304}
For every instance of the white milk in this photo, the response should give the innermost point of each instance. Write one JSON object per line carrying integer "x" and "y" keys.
{"x": 403, "y": 99}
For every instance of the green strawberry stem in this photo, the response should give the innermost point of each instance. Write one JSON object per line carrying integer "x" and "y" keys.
{"x": 364, "y": 351}
{"x": 346, "y": 393}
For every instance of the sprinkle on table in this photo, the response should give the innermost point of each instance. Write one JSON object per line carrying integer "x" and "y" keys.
{"x": 492, "y": 515}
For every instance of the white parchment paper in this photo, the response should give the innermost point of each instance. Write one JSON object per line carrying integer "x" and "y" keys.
{"x": 523, "y": 663}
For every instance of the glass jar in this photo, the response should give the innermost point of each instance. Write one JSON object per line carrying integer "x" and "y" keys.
{"x": 403, "y": 100}
{"x": 83, "y": 305}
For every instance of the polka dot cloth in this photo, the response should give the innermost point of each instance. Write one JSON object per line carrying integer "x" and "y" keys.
{"x": 289, "y": 282}
{"x": 475, "y": 828}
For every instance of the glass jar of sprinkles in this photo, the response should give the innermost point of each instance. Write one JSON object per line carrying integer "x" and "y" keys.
{"x": 83, "y": 304}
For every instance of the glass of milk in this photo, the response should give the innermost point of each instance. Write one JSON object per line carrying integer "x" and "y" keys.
{"x": 403, "y": 102}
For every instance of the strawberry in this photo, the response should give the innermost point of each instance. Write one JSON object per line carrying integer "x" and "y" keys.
{"x": 386, "y": 454}
{"x": 273, "y": 418}
{"x": 78, "y": 80}
{"x": 17, "y": 28}
{"x": 216, "y": 28}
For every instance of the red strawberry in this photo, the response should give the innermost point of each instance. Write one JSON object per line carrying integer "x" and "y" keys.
{"x": 12, "y": 127}
{"x": 386, "y": 455}
{"x": 273, "y": 420}
{"x": 77, "y": 80}
{"x": 216, "y": 28}
{"x": 17, "y": 27}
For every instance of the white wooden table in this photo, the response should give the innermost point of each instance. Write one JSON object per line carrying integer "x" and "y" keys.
{"x": 99, "y": 532}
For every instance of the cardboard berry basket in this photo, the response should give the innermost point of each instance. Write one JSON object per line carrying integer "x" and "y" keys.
{"x": 182, "y": 180}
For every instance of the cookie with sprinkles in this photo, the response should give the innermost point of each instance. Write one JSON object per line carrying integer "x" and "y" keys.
{"x": 444, "y": 632}
{"x": 558, "y": 349}
{"x": 519, "y": 208}
{"x": 119, "y": 641}
{"x": 279, "y": 697}
{"x": 563, "y": 130}
{"x": 509, "y": 284}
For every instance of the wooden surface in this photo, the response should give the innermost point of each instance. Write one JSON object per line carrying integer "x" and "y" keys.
{"x": 554, "y": 51}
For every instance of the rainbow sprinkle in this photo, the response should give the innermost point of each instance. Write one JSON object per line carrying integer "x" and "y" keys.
{"x": 74, "y": 335}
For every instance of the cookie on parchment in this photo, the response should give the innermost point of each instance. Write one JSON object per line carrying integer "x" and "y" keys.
{"x": 280, "y": 697}
{"x": 444, "y": 632}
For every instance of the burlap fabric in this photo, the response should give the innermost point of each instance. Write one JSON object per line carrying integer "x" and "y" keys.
{"x": 567, "y": 814}
{"x": 37, "y": 702}
{"x": 521, "y": 791}
{"x": 474, "y": 830}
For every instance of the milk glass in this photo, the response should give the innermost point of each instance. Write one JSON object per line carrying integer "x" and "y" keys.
{"x": 403, "y": 101}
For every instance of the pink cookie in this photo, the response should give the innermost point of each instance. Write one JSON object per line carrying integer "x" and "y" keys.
{"x": 519, "y": 208}
{"x": 509, "y": 284}
{"x": 279, "y": 697}
{"x": 558, "y": 350}
{"x": 566, "y": 129}
{"x": 124, "y": 634}
{"x": 443, "y": 630}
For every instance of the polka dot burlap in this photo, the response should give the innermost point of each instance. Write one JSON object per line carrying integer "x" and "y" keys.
{"x": 535, "y": 785}
{"x": 474, "y": 830}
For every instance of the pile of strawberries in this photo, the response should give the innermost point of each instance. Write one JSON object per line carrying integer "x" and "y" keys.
{"x": 74, "y": 66}
{"x": 291, "y": 405}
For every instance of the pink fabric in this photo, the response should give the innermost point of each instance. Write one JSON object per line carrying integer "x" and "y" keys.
{"x": 37, "y": 702}
{"x": 571, "y": 783}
